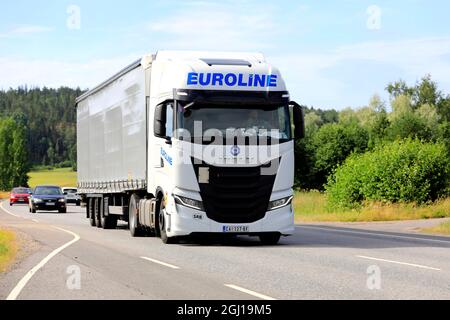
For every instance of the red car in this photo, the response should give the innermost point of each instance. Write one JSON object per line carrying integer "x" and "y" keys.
{"x": 20, "y": 195}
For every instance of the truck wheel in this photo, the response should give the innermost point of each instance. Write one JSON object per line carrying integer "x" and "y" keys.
{"x": 133, "y": 221}
{"x": 270, "y": 239}
{"x": 90, "y": 205}
{"x": 162, "y": 228}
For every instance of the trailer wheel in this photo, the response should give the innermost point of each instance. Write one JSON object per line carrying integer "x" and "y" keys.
{"x": 108, "y": 222}
{"x": 97, "y": 213}
{"x": 133, "y": 222}
{"x": 90, "y": 208}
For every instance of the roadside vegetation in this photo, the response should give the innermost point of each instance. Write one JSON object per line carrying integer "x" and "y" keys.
{"x": 63, "y": 177}
{"x": 8, "y": 248}
{"x": 380, "y": 162}
{"x": 442, "y": 229}
{"x": 313, "y": 207}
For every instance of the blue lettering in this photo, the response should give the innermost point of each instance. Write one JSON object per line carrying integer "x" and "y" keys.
{"x": 260, "y": 80}
{"x": 166, "y": 156}
{"x": 217, "y": 79}
{"x": 272, "y": 80}
{"x": 205, "y": 82}
{"x": 192, "y": 79}
{"x": 230, "y": 80}
{"x": 241, "y": 82}
{"x": 250, "y": 81}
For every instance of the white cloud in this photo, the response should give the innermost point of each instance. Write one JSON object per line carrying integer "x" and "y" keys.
{"x": 213, "y": 26}
{"x": 24, "y": 30}
{"x": 18, "y": 72}
{"x": 308, "y": 74}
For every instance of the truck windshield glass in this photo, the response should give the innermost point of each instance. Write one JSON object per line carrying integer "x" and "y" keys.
{"x": 262, "y": 121}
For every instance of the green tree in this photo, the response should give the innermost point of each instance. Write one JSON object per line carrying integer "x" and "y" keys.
{"x": 333, "y": 143}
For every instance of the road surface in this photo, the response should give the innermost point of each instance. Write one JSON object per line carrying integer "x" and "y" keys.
{"x": 68, "y": 259}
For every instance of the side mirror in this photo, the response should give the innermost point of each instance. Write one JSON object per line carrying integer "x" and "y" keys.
{"x": 299, "y": 120}
{"x": 159, "y": 124}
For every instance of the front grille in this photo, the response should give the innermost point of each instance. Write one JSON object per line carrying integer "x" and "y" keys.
{"x": 235, "y": 194}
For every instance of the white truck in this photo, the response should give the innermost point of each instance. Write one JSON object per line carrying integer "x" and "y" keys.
{"x": 187, "y": 143}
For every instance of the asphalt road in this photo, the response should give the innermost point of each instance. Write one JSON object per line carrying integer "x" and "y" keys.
{"x": 68, "y": 259}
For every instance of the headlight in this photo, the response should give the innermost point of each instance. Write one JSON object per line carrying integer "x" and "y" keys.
{"x": 37, "y": 200}
{"x": 190, "y": 203}
{"x": 62, "y": 200}
{"x": 278, "y": 204}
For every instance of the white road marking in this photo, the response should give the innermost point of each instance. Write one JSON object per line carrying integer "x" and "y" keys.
{"x": 398, "y": 262}
{"x": 250, "y": 292}
{"x": 35, "y": 220}
{"x": 376, "y": 234}
{"x": 9, "y": 212}
{"x": 23, "y": 282}
{"x": 161, "y": 263}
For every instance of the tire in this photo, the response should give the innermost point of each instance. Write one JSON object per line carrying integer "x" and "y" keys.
{"x": 270, "y": 239}
{"x": 33, "y": 210}
{"x": 78, "y": 203}
{"x": 90, "y": 205}
{"x": 108, "y": 222}
{"x": 162, "y": 228}
{"x": 10, "y": 204}
{"x": 97, "y": 214}
{"x": 62, "y": 211}
{"x": 133, "y": 222}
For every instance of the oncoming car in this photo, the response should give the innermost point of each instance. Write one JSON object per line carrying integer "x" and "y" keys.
{"x": 72, "y": 196}
{"x": 19, "y": 195}
{"x": 48, "y": 198}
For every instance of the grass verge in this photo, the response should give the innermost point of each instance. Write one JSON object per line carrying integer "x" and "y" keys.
{"x": 8, "y": 248}
{"x": 312, "y": 207}
{"x": 64, "y": 177}
{"x": 442, "y": 229}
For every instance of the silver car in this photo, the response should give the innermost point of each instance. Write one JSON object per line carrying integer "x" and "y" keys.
{"x": 72, "y": 196}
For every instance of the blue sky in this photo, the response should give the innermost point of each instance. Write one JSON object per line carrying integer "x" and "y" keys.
{"x": 333, "y": 54}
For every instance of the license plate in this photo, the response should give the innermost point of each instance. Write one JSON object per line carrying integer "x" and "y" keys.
{"x": 51, "y": 203}
{"x": 237, "y": 229}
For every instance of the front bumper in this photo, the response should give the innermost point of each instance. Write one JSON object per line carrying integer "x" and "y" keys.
{"x": 46, "y": 207}
{"x": 186, "y": 221}
{"x": 19, "y": 201}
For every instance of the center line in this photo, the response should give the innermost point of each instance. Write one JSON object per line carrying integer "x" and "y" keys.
{"x": 250, "y": 292}
{"x": 402, "y": 263}
{"x": 161, "y": 263}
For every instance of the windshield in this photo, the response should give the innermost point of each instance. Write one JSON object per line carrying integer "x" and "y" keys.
{"x": 261, "y": 121}
{"x": 48, "y": 191}
{"x": 21, "y": 191}
{"x": 70, "y": 191}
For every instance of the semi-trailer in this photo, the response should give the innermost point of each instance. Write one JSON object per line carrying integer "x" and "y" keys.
{"x": 184, "y": 143}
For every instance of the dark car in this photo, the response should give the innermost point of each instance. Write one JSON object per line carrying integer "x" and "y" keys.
{"x": 19, "y": 195}
{"x": 48, "y": 198}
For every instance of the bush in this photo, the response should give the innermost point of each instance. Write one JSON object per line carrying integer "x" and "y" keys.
{"x": 401, "y": 171}
{"x": 332, "y": 144}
